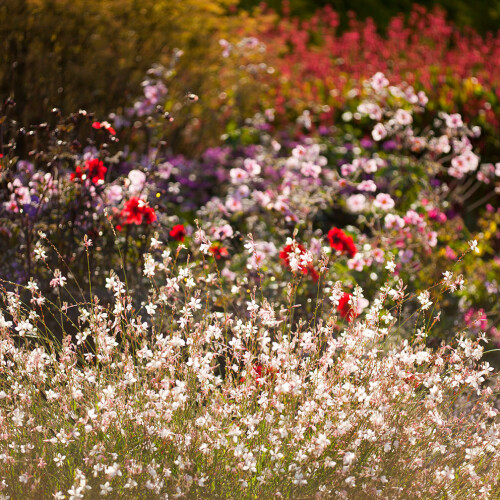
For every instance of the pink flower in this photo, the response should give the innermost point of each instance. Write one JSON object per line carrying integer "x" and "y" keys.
{"x": 403, "y": 117}
{"x": 384, "y": 202}
{"x": 379, "y": 132}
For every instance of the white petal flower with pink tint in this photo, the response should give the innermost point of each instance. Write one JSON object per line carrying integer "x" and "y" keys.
{"x": 58, "y": 280}
{"x": 378, "y": 255}
{"x": 454, "y": 120}
{"x": 347, "y": 169}
{"x": 137, "y": 180}
{"x": 392, "y": 221}
{"x": 299, "y": 152}
{"x": 432, "y": 238}
{"x": 403, "y": 117}
{"x": 422, "y": 98}
{"x": 379, "y": 132}
{"x": 238, "y": 175}
{"x": 357, "y": 263}
{"x": 384, "y": 202}
{"x": 368, "y": 186}
{"x": 371, "y": 166}
{"x": 252, "y": 167}
{"x": 233, "y": 204}
{"x": 309, "y": 169}
{"x": 378, "y": 81}
{"x": 356, "y": 203}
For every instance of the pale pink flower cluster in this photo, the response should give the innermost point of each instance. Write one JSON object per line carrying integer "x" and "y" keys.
{"x": 188, "y": 401}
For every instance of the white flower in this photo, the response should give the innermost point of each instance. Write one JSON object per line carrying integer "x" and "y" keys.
{"x": 113, "y": 471}
{"x": 349, "y": 458}
{"x": 59, "y": 459}
{"x": 424, "y": 299}
{"x": 473, "y": 246}
{"x": 390, "y": 266}
{"x": 379, "y": 132}
{"x": 105, "y": 488}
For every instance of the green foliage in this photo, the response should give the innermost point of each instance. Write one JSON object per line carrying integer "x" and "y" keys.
{"x": 482, "y": 15}
{"x": 85, "y": 54}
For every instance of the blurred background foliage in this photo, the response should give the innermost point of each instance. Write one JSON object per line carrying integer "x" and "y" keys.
{"x": 94, "y": 54}
{"x": 89, "y": 54}
{"x": 482, "y": 15}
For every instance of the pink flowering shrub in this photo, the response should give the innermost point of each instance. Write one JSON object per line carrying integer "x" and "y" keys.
{"x": 378, "y": 187}
{"x": 319, "y": 65}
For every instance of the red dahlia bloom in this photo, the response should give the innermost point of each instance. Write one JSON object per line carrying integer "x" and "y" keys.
{"x": 345, "y": 309}
{"x": 178, "y": 232}
{"x": 218, "y": 251}
{"x": 136, "y": 212}
{"x": 149, "y": 215}
{"x": 94, "y": 170}
{"x": 285, "y": 257}
{"x": 342, "y": 242}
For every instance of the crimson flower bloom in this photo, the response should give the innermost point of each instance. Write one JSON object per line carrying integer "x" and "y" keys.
{"x": 104, "y": 125}
{"x": 342, "y": 242}
{"x": 345, "y": 309}
{"x": 218, "y": 251}
{"x": 78, "y": 174}
{"x": 94, "y": 170}
{"x": 258, "y": 372}
{"x": 285, "y": 257}
{"x": 178, "y": 232}
{"x": 149, "y": 215}
{"x": 136, "y": 212}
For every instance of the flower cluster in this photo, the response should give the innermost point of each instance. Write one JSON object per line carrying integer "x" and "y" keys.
{"x": 136, "y": 211}
{"x": 342, "y": 242}
{"x": 189, "y": 401}
{"x": 298, "y": 259}
{"x": 93, "y": 169}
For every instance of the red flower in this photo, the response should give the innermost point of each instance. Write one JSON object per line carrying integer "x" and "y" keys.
{"x": 290, "y": 249}
{"x": 345, "y": 309}
{"x": 133, "y": 211}
{"x": 178, "y": 232}
{"x": 136, "y": 212}
{"x": 149, "y": 215}
{"x": 258, "y": 372}
{"x": 104, "y": 125}
{"x": 218, "y": 251}
{"x": 342, "y": 242}
{"x": 78, "y": 174}
{"x": 94, "y": 170}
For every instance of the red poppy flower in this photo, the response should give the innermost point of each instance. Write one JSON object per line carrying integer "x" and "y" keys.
{"x": 342, "y": 242}
{"x": 178, "y": 232}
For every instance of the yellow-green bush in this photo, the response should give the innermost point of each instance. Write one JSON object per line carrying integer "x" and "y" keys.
{"x": 93, "y": 54}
